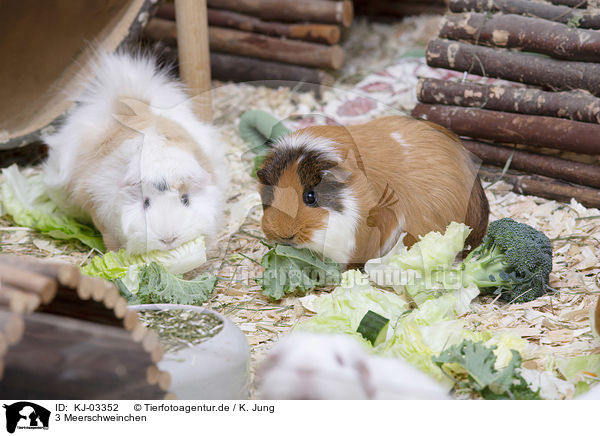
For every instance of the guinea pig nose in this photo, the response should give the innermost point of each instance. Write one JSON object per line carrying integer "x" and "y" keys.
{"x": 168, "y": 240}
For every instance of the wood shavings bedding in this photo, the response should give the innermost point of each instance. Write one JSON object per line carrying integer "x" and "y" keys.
{"x": 556, "y": 325}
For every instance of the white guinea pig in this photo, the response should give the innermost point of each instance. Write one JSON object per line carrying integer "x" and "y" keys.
{"x": 133, "y": 159}
{"x": 312, "y": 366}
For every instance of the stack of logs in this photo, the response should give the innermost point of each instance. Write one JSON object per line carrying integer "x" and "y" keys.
{"x": 68, "y": 336}
{"x": 259, "y": 40}
{"x": 552, "y": 48}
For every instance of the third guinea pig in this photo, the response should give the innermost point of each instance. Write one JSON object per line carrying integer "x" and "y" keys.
{"x": 349, "y": 192}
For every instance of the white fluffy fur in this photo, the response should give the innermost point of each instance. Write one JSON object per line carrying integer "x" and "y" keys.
{"x": 124, "y": 178}
{"x": 336, "y": 367}
{"x": 311, "y": 143}
{"x": 337, "y": 240}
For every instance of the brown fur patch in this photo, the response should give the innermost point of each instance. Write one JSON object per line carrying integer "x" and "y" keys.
{"x": 288, "y": 219}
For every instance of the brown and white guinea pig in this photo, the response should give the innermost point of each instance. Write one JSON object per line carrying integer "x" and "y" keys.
{"x": 132, "y": 158}
{"x": 350, "y": 192}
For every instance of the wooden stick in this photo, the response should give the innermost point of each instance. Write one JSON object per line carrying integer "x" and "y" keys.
{"x": 150, "y": 340}
{"x": 505, "y": 127}
{"x": 65, "y": 273}
{"x": 550, "y": 166}
{"x": 546, "y": 187}
{"x": 91, "y": 287}
{"x": 549, "y": 73}
{"x": 255, "y": 45}
{"x": 28, "y": 281}
{"x": 323, "y": 33}
{"x": 152, "y": 374}
{"x": 111, "y": 297}
{"x": 559, "y": 14}
{"x": 194, "y": 63}
{"x": 291, "y": 10}
{"x": 131, "y": 320}
{"x": 11, "y": 326}
{"x": 17, "y": 300}
{"x": 120, "y": 309}
{"x": 574, "y": 105}
{"x": 525, "y": 33}
{"x": 170, "y": 396}
{"x": 157, "y": 353}
{"x": 139, "y": 332}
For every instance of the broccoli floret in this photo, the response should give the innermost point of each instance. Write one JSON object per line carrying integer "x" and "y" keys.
{"x": 514, "y": 259}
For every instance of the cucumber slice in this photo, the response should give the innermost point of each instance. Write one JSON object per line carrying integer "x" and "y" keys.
{"x": 373, "y": 327}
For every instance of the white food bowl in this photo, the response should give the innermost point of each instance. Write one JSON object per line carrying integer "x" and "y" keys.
{"x": 216, "y": 369}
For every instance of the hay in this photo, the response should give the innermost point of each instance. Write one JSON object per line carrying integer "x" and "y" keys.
{"x": 556, "y": 325}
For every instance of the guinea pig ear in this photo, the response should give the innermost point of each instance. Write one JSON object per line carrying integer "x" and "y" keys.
{"x": 261, "y": 175}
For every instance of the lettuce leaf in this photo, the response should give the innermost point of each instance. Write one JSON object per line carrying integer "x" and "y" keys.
{"x": 24, "y": 198}
{"x": 582, "y": 371}
{"x": 122, "y": 265}
{"x": 289, "y": 269}
{"x": 424, "y": 271}
{"x": 157, "y": 285}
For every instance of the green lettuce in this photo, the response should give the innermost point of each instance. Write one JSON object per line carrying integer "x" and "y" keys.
{"x": 126, "y": 267}
{"x": 157, "y": 285}
{"x": 25, "y": 199}
{"x": 289, "y": 269}
{"x": 582, "y": 371}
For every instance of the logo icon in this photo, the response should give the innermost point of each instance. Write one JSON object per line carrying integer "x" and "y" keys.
{"x": 26, "y": 415}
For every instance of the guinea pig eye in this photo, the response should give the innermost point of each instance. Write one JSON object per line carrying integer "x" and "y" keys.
{"x": 146, "y": 203}
{"x": 310, "y": 198}
{"x": 185, "y": 200}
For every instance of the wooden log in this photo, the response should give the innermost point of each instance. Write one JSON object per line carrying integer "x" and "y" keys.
{"x": 574, "y": 105}
{"x": 553, "y": 74}
{"x": 291, "y": 10}
{"x": 546, "y": 187}
{"x": 194, "y": 65}
{"x": 582, "y": 4}
{"x": 74, "y": 359}
{"x": 266, "y": 47}
{"x": 11, "y": 326}
{"x": 525, "y": 33}
{"x": 38, "y": 284}
{"x": 164, "y": 380}
{"x": 323, "y": 33}
{"x": 589, "y": 19}
{"x": 66, "y": 274}
{"x": 18, "y": 301}
{"x": 385, "y": 9}
{"x": 256, "y": 45}
{"x": 550, "y": 166}
{"x": 505, "y": 127}
{"x": 228, "y": 67}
